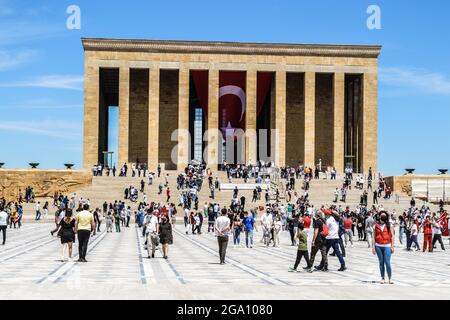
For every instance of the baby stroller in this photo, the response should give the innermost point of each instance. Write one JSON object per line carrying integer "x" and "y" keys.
{"x": 134, "y": 196}
{"x": 266, "y": 236}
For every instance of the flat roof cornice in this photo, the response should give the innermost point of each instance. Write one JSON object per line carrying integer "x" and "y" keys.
{"x": 280, "y": 49}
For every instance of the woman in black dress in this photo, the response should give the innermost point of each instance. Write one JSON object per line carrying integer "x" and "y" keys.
{"x": 67, "y": 234}
{"x": 165, "y": 235}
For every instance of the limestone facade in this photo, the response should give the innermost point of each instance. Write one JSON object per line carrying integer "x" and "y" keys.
{"x": 315, "y": 112}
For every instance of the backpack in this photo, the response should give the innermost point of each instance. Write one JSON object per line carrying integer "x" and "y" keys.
{"x": 324, "y": 231}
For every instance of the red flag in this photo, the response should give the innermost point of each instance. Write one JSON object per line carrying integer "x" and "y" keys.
{"x": 232, "y": 100}
{"x": 444, "y": 223}
{"x": 200, "y": 78}
{"x": 232, "y": 95}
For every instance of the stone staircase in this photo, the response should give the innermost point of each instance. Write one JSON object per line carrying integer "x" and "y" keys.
{"x": 112, "y": 188}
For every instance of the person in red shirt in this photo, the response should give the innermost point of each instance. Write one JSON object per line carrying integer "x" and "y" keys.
{"x": 383, "y": 246}
{"x": 427, "y": 234}
{"x": 306, "y": 222}
{"x": 348, "y": 224}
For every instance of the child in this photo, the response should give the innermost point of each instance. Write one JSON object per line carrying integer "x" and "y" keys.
{"x": 109, "y": 222}
{"x": 302, "y": 249}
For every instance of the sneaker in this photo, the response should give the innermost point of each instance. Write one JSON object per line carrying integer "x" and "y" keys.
{"x": 342, "y": 269}
{"x": 292, "y": 269}
{"x": 308, "y": 270}
{"x": 324, "y": 270}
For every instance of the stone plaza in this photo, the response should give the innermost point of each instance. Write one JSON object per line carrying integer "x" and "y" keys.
{"x": 119, "y": 269}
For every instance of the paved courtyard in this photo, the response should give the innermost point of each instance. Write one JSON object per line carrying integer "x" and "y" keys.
{"x": 118, "y": 268}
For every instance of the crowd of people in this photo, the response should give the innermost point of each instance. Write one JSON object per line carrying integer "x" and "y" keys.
{"x": 137, "y": 170}
{"x": 330, "y": 229}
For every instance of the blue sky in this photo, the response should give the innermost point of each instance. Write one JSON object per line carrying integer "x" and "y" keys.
{"x": 41, "y": 65}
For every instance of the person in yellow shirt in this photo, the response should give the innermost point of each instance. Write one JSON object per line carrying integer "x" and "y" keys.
{"x": 84, "y": 225}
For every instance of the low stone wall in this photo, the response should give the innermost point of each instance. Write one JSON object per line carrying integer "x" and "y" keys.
{"x": 44, "y": 182}
{"x": 403, "y": 184}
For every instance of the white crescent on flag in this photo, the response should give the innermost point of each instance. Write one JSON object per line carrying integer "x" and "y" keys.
{"x": 237, "y": 91}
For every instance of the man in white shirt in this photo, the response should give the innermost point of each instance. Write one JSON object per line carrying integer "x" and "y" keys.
{"x": 266, "y": 223}
{"x": 38, "y": 211}
{"x": 187, "y": 221}
{"x": 310, "y": 211}
{"x": 222, "y": 229}
{"x": 3, "y": 223}
{"x": 150, "y": 179}
{"x": 152, "y": 230}
{"x": 267, "y": 220}
{"x": 336, "y": 195}
{"x": 414, "y": 235}
{"x": 437, "y": 233}
{"x": 145, "y": 199}
{"x": 333, "y": 237}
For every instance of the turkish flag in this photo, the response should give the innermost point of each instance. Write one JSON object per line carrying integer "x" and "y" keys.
{"x": 232, "y": 100}
{"x": 232, "y": 95}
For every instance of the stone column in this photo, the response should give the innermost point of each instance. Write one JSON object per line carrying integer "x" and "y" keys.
{"x": 370, "y": 122}
{"x": 91, "y": 115}
{"x": 183, "y": 119}
{"x": 153, "y": 119}
{"x": 338, "y": 123}
{"x": 124, "y": 115}
{"x": 280, "y": 118}
{"x": 250, "y": 118}
{"x": 310, "y": 119}
{"x": 212, "y": 152}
